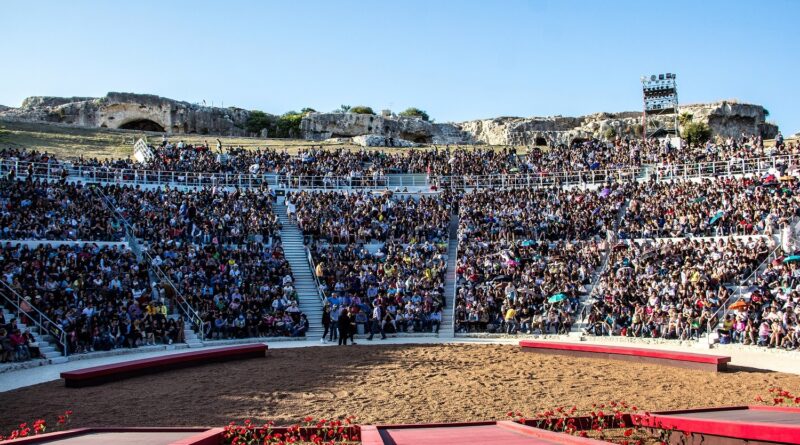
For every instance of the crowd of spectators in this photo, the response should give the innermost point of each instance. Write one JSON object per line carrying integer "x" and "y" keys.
{"x": 100, "y": 296}
{"x": 317, "y": 161}
{"x": 518, "y": 249}
{"x": 670, "y": 288}
{"x": 381, "y": 257}
{"x": 16, "y": 345}
{"x": 52, "y": 211}
{"x": 770, "y": 315}
{"x": 221, "y": 250}
{"x": 527, "y": 257}
{"x": 710, "y": 207}
{"x": 201, "y": 216}
{"x": 238, "y": 291}
{"x": 343, "y": 218}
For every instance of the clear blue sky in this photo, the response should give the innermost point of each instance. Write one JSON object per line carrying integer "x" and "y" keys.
{"x": 458, "y": 60}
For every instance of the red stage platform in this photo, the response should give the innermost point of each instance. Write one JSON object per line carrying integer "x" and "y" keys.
{"x": 476, "y": 433}
{"x": 731, "y": 425}
{"x": 690, "y": 360}
{"x": 117, "y": 371}
{"x": 126, "y": 436}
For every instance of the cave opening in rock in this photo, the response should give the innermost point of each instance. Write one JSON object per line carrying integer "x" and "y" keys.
{"x": 578, "y": 141}
{"x": 142, "y": 125}
{"x": 540, "y": 141}
{"x": 416, "y": 138}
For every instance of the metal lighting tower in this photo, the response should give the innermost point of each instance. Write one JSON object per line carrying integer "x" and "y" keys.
{"x": 660, "y": 94}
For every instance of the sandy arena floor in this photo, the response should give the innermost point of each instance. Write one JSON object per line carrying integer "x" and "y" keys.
{"x": 392, "y": 384}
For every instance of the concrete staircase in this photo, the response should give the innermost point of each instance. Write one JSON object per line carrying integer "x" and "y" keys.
{"x": 294, "y": 250}
{"x": 47, "y": 344}
{"x": 446, "y": 330}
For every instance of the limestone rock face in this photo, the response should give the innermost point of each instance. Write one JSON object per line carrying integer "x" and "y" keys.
{"x": 725, "y": 119}
{"x": 732, "y": 119}
{"x": 374, "y": 140}
{"x": 322, "y": 126}
{"x": 154, "y": 113}
{"x": 133, "y": 111}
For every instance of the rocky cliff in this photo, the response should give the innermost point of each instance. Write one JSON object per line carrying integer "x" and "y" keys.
{"x": 320, "y": 126}
{"x": 132, "y": 111}
{"x": 724, "y": 118}
{"x": 154, "y": 113}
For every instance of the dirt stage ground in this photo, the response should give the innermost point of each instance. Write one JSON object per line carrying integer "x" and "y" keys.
{"x": 397, "y": 384}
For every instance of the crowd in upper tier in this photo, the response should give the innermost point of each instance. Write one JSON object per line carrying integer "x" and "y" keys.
{"x": 316, "y": 161}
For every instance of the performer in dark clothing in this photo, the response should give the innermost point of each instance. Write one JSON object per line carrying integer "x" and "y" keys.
{"x": 344, "y": 326}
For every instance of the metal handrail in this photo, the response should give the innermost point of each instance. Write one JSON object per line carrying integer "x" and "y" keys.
{"x": 323, "y": 297}
{"x": 724, "y": 306}
{"x": 52, "y": 171}
{"x": 455, "y": 289}
{"x": 44, "y": 323}
{"x": 181, "y": 301}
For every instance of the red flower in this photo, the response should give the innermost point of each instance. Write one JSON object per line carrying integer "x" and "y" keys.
{"x": 510, "y": 414}
{"x": 628, "y": 432}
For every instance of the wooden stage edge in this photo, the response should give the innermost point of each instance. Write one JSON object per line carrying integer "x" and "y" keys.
{"x": 705, "y": 362}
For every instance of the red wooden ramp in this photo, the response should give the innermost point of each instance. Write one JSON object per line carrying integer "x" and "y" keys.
{"x": 736, "y": 425}
{"x": 690, "y": 360}
{"x": 101, "y": 374}
{"x": 476, "y": 433}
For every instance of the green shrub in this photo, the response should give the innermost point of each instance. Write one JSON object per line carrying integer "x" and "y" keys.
{"x": 610, "y": 133}
{"x": 259, "y": 120}
{"x": 361, "y": 109}
{"x": 415, "y": 112}
{"x": 696, "y": 133}
{"x": 288, "y": 125}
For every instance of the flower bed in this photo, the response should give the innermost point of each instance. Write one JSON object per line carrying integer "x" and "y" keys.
{"x": 614, "y": 422}
{"x": 311, "y": 431}
{"x": 39, "y": 426}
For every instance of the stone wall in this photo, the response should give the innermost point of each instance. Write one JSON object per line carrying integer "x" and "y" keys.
{"x": 133, "y": 111}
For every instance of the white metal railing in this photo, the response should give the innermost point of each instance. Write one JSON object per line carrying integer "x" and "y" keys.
{"x": 724, "y": 306}
{"x": 52, "y": 171}
{"x": 728, "y": 167}
{"x": 183, "y": 304}
{"x": 322, "y": 296}
{"x": 43, "y": 322}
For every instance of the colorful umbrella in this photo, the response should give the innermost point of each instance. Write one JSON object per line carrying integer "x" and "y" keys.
{"x": 557, "y": 298}
{"x": 791, "y": 258}
{"x": 738, "y": 305}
